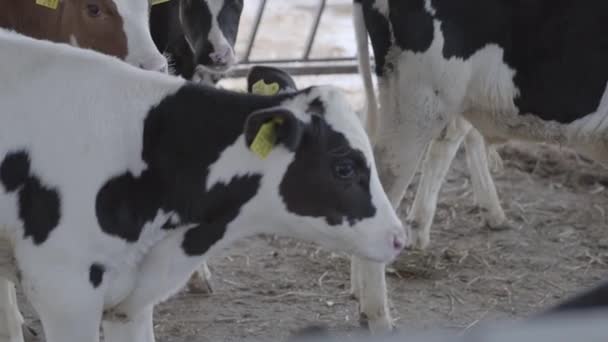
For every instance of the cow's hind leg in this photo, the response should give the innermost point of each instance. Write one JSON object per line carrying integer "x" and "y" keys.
{"x": 435, "y": 167}
{"x": 483, "y": 184}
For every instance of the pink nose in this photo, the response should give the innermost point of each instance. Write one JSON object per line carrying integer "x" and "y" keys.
{"x": 398, "y": 242}
{"x": 222, "y": 57}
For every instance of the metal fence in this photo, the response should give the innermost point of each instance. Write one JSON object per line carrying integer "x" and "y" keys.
{"x": 304, "y": 65}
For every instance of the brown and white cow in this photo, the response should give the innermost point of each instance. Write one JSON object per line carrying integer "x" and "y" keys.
{"x": 115, "y": 27}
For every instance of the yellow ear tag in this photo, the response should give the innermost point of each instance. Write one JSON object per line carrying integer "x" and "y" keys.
{"x": 261, "y": 88}
{"x": 264, "y": 141}
{"x": 157, "y": 2}
{"x": 52, "y": 4}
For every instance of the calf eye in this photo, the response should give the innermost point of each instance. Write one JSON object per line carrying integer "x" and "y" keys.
{"x": 93, "y": 10}
{"x": 344, "y": 169}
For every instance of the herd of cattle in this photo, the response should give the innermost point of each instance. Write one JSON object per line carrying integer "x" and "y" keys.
{"x": 117, "y": 183}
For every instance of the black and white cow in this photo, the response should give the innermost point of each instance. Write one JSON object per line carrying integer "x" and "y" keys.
{"x": 197, "y": 36}
{"x": 528, "y": 70}
{"x": 110, "y": 199}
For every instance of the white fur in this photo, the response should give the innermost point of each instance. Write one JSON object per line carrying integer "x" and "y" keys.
{"x": 142, "y": 51}
{"x": 89, "y": 129}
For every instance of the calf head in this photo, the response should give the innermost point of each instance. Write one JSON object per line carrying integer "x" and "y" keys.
{"x": 114, "y": 27}
{"x": 319, "y": 176}
{"x": 210, "y": 28}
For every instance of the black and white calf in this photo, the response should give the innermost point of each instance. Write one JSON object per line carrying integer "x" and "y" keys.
{"x": 197, "y": 36}
{"x": 533, "y": 71}
{"x": 110, "y": 203}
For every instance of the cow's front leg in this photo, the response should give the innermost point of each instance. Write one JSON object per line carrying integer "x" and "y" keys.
{"x": 163, "y": 272}
{"x": 69, "y": 306}
{"x": 11, "y": 322}
{"x": 135, "y": 328}
{"x": 435, "y": 167}
{"x": 368, "y": 283}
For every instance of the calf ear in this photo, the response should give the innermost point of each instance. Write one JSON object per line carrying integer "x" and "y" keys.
{"x": 267, "y": 128}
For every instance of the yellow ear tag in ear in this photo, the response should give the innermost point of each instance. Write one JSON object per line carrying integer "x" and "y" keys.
{"x": 52, "y": 4}
{"x": 261, "y": 88}
{"x": 157, "y": 2}
{"x": 264, "y": 141}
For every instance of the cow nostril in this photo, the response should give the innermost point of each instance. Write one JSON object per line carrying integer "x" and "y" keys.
{"x": 398, "y": 242}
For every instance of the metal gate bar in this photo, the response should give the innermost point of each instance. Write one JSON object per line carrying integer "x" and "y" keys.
{"x": 296, "y": 66}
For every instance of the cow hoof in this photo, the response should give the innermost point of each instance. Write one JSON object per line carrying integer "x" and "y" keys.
{"x": 309, "y": 333}
{"x": 29, "y": 334}
{"x": 420, "y": 240}
{"x": 499, "y": 226}
{"x": 200, "y": 285}
{"x": 378, "y": 325}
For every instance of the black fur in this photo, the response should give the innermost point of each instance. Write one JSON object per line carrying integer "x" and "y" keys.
{"x": 96, "y": 272}
{"x": 186, "y": 133}
{"x": 556, "y": 47}
{"x": 39, "y": 205}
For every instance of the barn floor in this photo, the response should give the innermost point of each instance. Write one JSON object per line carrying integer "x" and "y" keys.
{"x": 266, "y": 288}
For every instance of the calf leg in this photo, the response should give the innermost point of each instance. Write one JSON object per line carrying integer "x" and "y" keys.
{"x": 69, "y": 307}
{"x": 11, "y": 321}
{"x": 439, "y": 157}
{"x": 200, "y": 281}
{"x": 138, "y": 328}
{"x": 483, "y": 184}
{"x": 370, "y": 289}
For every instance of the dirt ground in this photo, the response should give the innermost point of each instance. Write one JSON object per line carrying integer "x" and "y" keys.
{"x": 266, "y": 288}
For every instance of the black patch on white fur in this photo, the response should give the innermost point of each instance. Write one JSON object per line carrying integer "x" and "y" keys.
{"x": 96, "y": 272}
{"x": 379, "y": 31}
{"x": 187, "y": 132}
{"x": 309, "y": 187}
{"x": 183, "y": 136}
{"x": 316, "y": 107}
{"x": 14, "y": 170}
{"x": 39, "y": 205}
{"x": 228, "y": 199}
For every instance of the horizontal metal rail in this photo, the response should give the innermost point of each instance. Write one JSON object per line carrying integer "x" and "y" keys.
{"x": 304, "y": 65}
